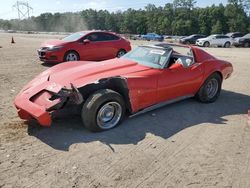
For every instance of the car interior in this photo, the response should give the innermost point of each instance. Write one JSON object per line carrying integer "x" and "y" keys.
{"x": 184, "y": 60}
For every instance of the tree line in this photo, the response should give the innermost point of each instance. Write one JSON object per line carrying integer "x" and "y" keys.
{"x": 181, "y": 17}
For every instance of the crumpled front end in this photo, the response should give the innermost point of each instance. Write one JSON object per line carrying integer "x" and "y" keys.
{"x": 41, "y": 100}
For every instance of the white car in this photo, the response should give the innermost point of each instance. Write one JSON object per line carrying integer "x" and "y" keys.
{"x": 215, "y": 40}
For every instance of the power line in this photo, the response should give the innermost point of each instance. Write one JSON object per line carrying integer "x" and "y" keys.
{"x": 23, "y": 9}
{"x": 110, "y": 7}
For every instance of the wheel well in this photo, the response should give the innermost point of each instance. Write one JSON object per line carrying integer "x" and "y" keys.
{"x": 219, "y": 73}
{"x": 117, "y": 84}
{"x": 121, "y": 49}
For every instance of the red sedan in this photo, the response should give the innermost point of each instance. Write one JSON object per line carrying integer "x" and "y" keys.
{"x": 84, "y": 45}
{"x": 143, "y": 79}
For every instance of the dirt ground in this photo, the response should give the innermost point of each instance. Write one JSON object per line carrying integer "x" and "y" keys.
{"x": 186, "y": 144}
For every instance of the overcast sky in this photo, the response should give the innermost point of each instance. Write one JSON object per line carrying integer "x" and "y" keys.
{"x": 40, "y": 6}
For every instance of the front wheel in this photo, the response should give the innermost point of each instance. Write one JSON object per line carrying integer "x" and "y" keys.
{"x": 71, "y": 56}
{"x": 206, "y": 44}
{"x": 227, "y": 45}
{"x": 120, "y": 53}
{"x": 103, "y": 110}
{"x": 246, "y": 44}
{"x": 210, "y": 90}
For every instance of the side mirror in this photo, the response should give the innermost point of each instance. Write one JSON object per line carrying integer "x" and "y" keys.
{"x": 175, "y": 66}
{"x": 86, "y": 41}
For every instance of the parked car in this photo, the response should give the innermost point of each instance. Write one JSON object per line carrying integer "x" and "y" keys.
{"x": 152, "y": 36}
{"x": 84, "y": 45}
{"x": 215, "y": 40}
{"x": 143, "y": 79}
{"x": 235, "y": 35}
{"x": 167, "y": 37}
{"x": 191, "y": 39}
{"x": 242, "y": 41}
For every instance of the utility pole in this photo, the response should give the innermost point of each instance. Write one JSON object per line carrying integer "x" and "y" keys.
{"x": 23, "y": 9}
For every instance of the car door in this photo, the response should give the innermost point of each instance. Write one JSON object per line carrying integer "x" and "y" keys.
{"x": 174, "y": 83}
{"x": 92, "y": 50}
{"x": 217, "y": 40}
{"x": 110, "y": 44}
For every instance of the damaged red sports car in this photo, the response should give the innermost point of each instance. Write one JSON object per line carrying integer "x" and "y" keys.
{"x": 145, "y": 78}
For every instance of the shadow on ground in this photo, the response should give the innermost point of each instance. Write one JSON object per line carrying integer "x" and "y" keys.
{"x": 48, "y": 64}
{"x": 167, "y": 121}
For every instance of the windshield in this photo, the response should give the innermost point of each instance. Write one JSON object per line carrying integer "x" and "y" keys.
{"x": 74, "y": 37}
{"x": 247, "y": 35}
{"x": 211, "y": 36}
{"x": 148, "y": 56}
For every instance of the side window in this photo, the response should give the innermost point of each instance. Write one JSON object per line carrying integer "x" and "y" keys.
{"x": 108, "y": 37}
{"x": 94, "y": 37}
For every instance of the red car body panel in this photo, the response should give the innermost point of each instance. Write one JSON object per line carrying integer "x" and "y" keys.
{"x": 146, "y": 86}
{"x": 93, "y": 51}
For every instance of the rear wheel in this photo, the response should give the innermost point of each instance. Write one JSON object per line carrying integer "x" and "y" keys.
{"x": 206, "y": 44}
{"x": 227, "y": 45}
{"x": 210, "y": 90}
{"x": 103, "y": 110}
{"x": 120, "y": 53}
{"x": 71, "y": 56}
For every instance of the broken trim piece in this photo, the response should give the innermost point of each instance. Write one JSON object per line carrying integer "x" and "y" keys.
{"x": 72, "y": 95}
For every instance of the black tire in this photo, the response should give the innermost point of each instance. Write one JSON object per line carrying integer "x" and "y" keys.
{"x": 73, "y": 53}
{"x": 94, "y": 106}
{"x": 206, "y": 44}
{"x": 203, "y": 94}
{"x": 227, "y": 45}
{"x": 120, "y": 53}
{"x": 246, "y": 44}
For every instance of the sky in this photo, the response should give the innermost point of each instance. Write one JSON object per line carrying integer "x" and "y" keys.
{"x": 7, "y": 11}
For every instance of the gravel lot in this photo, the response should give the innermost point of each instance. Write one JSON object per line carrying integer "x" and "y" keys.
{"x": 186, "y": 144}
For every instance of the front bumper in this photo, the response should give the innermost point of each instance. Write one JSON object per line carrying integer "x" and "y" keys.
{"x": 40, "y": 101}
{"x": 199, "y": 43}
{"x": 28, "y": 110}
{"x": 49, "y": 56}
{"x": 238, "y": 44}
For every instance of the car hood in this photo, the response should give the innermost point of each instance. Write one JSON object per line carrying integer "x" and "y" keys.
{"x": 53, "y": 42}
{"x": 82, "y": 73}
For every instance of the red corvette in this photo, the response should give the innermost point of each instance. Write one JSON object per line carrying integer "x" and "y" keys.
{"x": 143, "y": 79}
{"x": 84, "y": 45}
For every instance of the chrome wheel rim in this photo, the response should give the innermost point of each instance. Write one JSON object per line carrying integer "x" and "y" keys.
{"x": 120, "y": 53}
{"x": 212, "y": 88}
{"x": 109, "y": 115}
{"x": 71, "y": 57}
